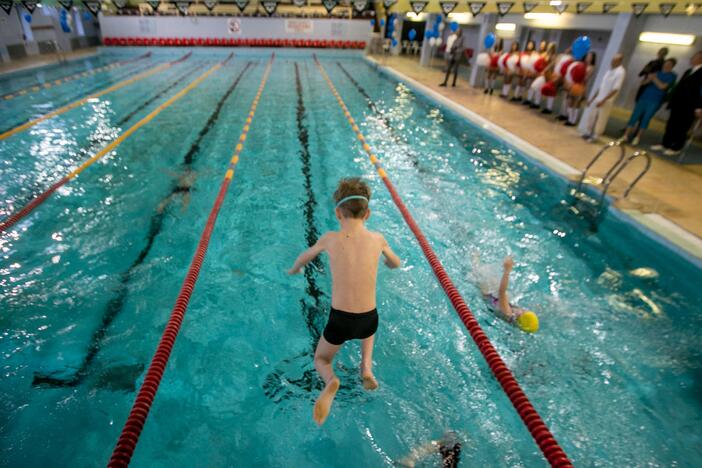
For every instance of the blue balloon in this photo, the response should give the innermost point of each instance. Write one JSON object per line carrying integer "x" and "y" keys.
{"x": 581, "y": 46}
{"x": 382, "y": 21}
{"x": 87, "y": 16}
{"x": 373, "y": 22}
{"x": 28, "y": 17}
{"x": 453, "y": 26}
{"x": 489, "y": 40}
{"x": 412, "y": 34}
{"x": 394, "y": 42}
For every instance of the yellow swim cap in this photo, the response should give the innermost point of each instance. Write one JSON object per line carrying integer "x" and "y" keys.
{"x": 528, "y": 322}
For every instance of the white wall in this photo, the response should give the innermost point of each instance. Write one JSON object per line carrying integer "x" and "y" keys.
{"x": 217, "y": 27}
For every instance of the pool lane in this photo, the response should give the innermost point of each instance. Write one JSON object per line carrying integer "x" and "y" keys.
{"x": 134, "y": 76}
{"x": 71, "y": 77}
{"x": 13, "y": 218}
{"x": 114, "y": 307}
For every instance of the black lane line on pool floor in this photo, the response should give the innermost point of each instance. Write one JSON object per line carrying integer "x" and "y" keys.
{"x": 129, "y": 374}
{"x": 396, "y": 137}
{"x": 299, "y": 371}
{"x": 105, "y": 84}
{"x": 97, "y": 141}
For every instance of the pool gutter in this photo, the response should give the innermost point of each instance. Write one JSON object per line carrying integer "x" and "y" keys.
{"x": 652, "y": 225}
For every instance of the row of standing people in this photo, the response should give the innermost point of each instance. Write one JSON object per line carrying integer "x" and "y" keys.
{"x": 535, "y": 77}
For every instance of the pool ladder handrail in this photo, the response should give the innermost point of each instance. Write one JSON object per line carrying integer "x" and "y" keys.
{"x": 620, "y": 164}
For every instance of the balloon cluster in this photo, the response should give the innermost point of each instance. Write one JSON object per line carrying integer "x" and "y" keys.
{"x": 64, "y": 21}
{"x": 392, "y": 28}
{"x": 434, "y": 34}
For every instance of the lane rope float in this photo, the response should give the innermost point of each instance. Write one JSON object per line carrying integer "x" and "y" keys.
{"x": 124, "y": 449}
{"x": 81, "y": 101}
{"x": 12, "y": 219}
{"x": 555, "y": 455}
{"x": 65, "y": 79}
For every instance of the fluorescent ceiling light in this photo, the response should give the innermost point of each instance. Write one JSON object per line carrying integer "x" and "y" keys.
{"x": 555, "y": 3}
{"x": 540, "y": 16}
{"x": 461, "y": 18}
{"x": 505, "y": 26}
{"x": 667, "y": 38}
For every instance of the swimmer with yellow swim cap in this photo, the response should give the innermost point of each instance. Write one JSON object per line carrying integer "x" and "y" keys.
{"x": 525, "y": 320}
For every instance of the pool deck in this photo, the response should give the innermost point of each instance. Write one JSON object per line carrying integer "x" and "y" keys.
{"x": 668, "y": 200}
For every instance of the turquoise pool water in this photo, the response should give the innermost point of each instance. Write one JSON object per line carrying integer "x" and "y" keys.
{"x": 87, "y": 282}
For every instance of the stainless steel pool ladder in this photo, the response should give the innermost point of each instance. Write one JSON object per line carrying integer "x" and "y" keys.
{"x": 619, "y": 165}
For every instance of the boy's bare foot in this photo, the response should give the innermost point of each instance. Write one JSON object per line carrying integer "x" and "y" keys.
{"x": 324, "y": 402}
{"x": 369, "y": 382}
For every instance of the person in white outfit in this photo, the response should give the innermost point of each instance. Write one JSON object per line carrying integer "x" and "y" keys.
{"x": 600, "y": 104}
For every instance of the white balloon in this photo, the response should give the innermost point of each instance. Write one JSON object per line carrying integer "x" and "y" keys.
{"x": 512, "y": 62}
{"x": 395, "y": 22}
{"x": 483, "y": 59}
{"x": 438, "y": 41}
{"x": 432, "y": 42}
{"x": 442, "y": 25}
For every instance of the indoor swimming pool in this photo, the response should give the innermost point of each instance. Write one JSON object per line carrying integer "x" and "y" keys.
{"x": 88, "y": 278}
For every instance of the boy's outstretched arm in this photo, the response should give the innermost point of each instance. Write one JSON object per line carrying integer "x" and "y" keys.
{"x": 504, "y": 284}
{"x": 391, "y": 259}
{"x": 308, "y": 255}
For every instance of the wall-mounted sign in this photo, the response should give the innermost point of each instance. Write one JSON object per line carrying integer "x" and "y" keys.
{"x": 66, "y": 4}
{"x": 270, "y": 6}
{"x": 30, "y": 5}
{"x": 299, "y": 26}
{"x": 233, "y": 26}
{"x": 476, "y": 7}
{"x": 210, "y": 4}
{"x": 607, "y": 6}
{"x": 418, "y": 7}
{"x": 6, "y": 5}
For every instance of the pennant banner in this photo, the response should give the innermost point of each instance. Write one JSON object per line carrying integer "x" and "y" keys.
{"x": 154, "y": 4}
{"x": 66, "y": 4}
{"x": 560, "y": 8}
{"x": 329, "y": 5}
{"x": 504, "y": 7}
{"x": 639, "y": 8}
{"x": 389, "y": 3}
{"x": 418, "y": 7}
{"x": 210, "y": 4}
{"x": 360, "y": 5}
{"x": 691, "y": 8}
{"x": 93, "y": 6}
{"x": 476, "y": 7}
{"x": 120, "y": 4}
{"x": 269, "y": 5}
{"x": 241, "y": 4}
{"x": 30, "y": 5}
{"x": 448, "y": 7}
{"x": 607, "y": 6}
{"x": 582, "y": 6}
{"x": 528, "y": 6}
{"x": 183, "y": 6}
{"x": 666, "y": 8}
{"x": 6, "y": 5}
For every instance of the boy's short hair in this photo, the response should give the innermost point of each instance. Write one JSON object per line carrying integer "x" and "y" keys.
{"x": 355, "y": 208}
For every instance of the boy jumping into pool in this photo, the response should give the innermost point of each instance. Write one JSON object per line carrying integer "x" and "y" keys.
{"x": 525, "y": 320}
{"x": 353, "y": 253}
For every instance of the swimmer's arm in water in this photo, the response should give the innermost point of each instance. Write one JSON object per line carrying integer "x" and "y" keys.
{"x": 310, "y": 254}
{"x": 418, "y": 454}
{"x": 503, "y": 297}
{"x": 391, "y": 259}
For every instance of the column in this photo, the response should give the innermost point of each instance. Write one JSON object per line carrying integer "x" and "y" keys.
{"x": 487, "y": 25}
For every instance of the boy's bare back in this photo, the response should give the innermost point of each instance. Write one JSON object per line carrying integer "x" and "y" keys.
{"x": 353, "y": 257}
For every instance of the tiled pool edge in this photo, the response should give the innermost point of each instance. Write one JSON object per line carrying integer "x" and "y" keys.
{"x": 652, "y": 225}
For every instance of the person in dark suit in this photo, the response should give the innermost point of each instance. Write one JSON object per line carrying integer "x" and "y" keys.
{"x": 654, "y": 66}
{"x": 454, "y": 52}
{"x": 685, "y": 102}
